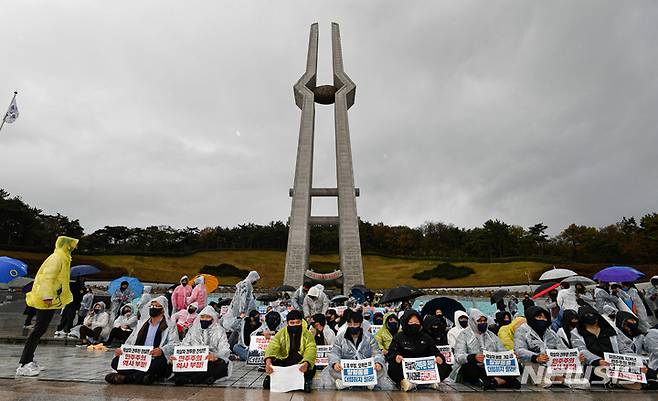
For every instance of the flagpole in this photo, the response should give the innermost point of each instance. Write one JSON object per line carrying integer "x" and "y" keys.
{"x": 5, "y": 116}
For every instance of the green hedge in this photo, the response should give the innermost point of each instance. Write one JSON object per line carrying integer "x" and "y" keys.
{"x": 446, "y": 271}
{"x": 225, "y": 270}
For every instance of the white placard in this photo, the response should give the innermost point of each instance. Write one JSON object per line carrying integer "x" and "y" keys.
{"x": 322, "y": 356}
{"x": 561, "y": 361}
{"x": 420, "y": 370}
{"x": 374, "y": 328}
{"x": 340, "y": 309}
{"x": 135, "y": 357}
{"x": 357, "y": 373}
{"x": 223, "y": 310}
{"x": 501, "y": 363}
{"x": 257, "y": 347}
{"x": 446, "y": 354}
{"x": 190, "y": 359}
{"x": 285, "y": 379}
{"x": 625, "y": 367}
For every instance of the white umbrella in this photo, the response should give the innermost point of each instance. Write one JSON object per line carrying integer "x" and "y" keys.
{"x": 556, "y": 274}
{"x": 579, "y": 279}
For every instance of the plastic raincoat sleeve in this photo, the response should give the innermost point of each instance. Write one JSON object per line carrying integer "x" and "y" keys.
{"x": 521, "y": 344}
{"x": 460, "y": 351}
{"x": 579, "y": 343}
{"x": 325, "y": 303}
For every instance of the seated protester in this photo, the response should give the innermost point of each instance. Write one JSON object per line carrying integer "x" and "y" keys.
{"x": 367, "y": 315}
{"x": 272, "y": 324}
{"x": 439, "y": 313}
{"x": 461, "y": 324}
{"x": 437, "y": 329}
{"x": 293, "y": 345}
{"x": 469, "y": 354}
{"x": 609, "y": 314}
{"x": 157, "y": 332}
{"x": 96, "y": 325}
{"x": 332, "y": 317}
{"x": 502, "y": 318}
{"x": 569, "y": 322}
{"x": 184, "y": 318}
{"x": 506, "y": 333}
{"x": 532, "y": 340}
{"x": 123, "y": 325}
{"x": 385, "y": 334}
{"x": 323, "y": 335}
{"x": 411, "y": 342}
{"x": 355, "y": 344}
{"x": 640, "y": 343}
{"x": 206, "y": 331}
{"x": 245, "y": 328}
{"x": 593, "y": 337}
{"x": 378, "y": 319}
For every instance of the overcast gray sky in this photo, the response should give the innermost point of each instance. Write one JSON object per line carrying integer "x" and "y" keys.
{"x": 181, "y": 112}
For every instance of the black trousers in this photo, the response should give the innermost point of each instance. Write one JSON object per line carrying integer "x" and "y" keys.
{"x": 44, "y": 317}
{"x": 308, "y": 376}
{"x": 395, "y": 371}
{"x": 29, "y": 313}
{"x": 472, "y": 373}
{"x": 118, "y": 334}
{"x": 159, "y": 368}
{"x": 216, "y": 370}
{"x": 87, "y": 332}
{"x": 68, "y": 316}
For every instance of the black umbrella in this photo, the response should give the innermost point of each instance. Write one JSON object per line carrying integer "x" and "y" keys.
{"x": 401, "y": 293}
{"x": 447, "y": 305}
{"x": 285, "y": 288}
{"x": 544, "y": 288}
{"x": 267, "y": 298}
{"x": 498, "y": 295}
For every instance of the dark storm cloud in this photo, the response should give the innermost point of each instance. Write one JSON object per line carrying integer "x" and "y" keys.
{"x": 182, "y": 113}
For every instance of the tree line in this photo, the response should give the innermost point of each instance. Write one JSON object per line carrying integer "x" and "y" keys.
{"x": 627, "y": 241}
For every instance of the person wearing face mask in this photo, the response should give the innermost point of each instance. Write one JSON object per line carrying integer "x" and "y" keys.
{"x": 144, "y": 302}
{"x": 367, "y": 315}
{"x": 527, "y": 301}
{"x": 469, "y": 354}
{"x": 638, "y": 303}
{"x": 641, "y": 343}
{"x": 566, "y": 297}
{"x": 123, "y": 295}
{"x": 123, "y": 325}
{"x": 378, "y": 319}
{"x": 316, "y": 301}
{"x": 184, "y": 319}
{"x": 652, "y": 296}
{"x": 551, "y": 304}
{"x": 332, "y": 317}
{"x": 157, "y": 332}
{"x": 437, "y": 329}
{"x": 180, "y": 295}
{"x": 243, "y": 299}
{"x": 569, "y": 322}
{"x": 96, "y": 325}
{"x": 297, "y": 300}
{"x": 273, "y": 323}
{"x": 501, "y": 319}
{"x": 355, "y": 344}
{"x": 206, "y": 332}
{"x": 411, "y": 342}
{"x": 532, "y": 340}
{"x": 293, "y": 345}
{"x": 323, "y": 335}
{"x": 593, "y": 337}
{"x": 461, "y": 323}
{"x": 199, "y": 293}
{"x": 506, "y": 333}
{"x": 513, "y": 305}
{"x": 582, "y": 296}
{"x": 385, "y": 334}
{"x": 246, "y": 328}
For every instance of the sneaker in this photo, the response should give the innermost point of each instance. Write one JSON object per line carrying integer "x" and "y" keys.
{"x": 59, "y": 334}
{"x": 340, "y": 385}
{"x": 371, "y": 387}
{"x": 115, "y": 378}
{"x": 71, "y": 335}
{"x": 406, "y": 385}
{"x": 28, "y": 370}
{"x": 513, "y": 383}
{"x": 41, "y": 368}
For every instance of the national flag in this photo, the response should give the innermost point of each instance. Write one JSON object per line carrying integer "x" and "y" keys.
{"x": 12, "y": 112}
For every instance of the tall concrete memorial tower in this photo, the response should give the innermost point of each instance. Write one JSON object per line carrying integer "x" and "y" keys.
{"x": 341, "y": 95}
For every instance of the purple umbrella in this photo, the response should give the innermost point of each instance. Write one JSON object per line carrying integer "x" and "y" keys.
{"x": 618, "y": 274}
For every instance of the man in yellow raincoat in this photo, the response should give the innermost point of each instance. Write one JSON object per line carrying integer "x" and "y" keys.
{"x": 50, "y": 291}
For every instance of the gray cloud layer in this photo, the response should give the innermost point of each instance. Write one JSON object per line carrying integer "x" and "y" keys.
{"x": 182, "y": 113}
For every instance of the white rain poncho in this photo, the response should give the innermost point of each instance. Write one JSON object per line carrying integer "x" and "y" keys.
{"x": 316, "y": 301}
{"x": 471, "y": 341}
{"x": 144, "y": 302}
{"x": 243, "y": 299}
{"x": 169, "y": 337}
{"x": 127, "y": 320}
{"x": 102, "y": 320}
{"x": 214, "y": 336}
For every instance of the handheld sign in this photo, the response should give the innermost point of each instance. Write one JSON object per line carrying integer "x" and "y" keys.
{"x": 561, "y": 361}
{"x": 322, "y": 358}
{"x": 358, "y": 372}
{"x": 285, "y": 379}
{"x": 374, "y": 328}
{"x": 625, "y": 367}
{"x": 191, "y": 359}
{"x": 421, "y": 370}
{"x": 340, "y": 309}
{"x": 135, "y": 357}
{"x": 257, "y": 347}
{"x": 446, "y": 354}
{"x": 501, "y": 363}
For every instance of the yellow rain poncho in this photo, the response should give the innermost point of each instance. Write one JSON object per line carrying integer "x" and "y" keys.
{"x": 52, "y": 279}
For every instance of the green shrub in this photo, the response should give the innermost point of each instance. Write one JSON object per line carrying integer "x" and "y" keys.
{"x": 323, "y": 267}
{"x": 225, "y": 270}
{"x": 446, "y": 271}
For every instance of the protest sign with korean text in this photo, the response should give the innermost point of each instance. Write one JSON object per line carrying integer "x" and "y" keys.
{"x": 420, "y": 370}
{"x": 625, "y": 367}
{"x": 446, "y": 353}
{"x": 135, "y": 357}
{"x": 322, "y": 358}
{"x": 190, "y": 359}
{"x": 561, "y": 361}
{"x": 358, "y": 372}
{"x": 257, "y": 347}
{"x": 501, "y": 363}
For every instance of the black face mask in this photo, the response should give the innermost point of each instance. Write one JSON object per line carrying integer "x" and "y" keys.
{"x": 539, "y": 326}
{"x": 463, "y": 323}
{"x": 506, "y": 322}
{"x": 155, "y": 312}
{"x": 97, "y": 311}
{"x": 412, "y": 329}
{"x": 439, "y": 316}
{"x": 482, "y": 327}
{"x": 354, "y": 331}
{"x": 294, "y": 329}
{"x": 205, "y": 323}
{"x": 191, "y": 310}
{"x": 127, "y": 311}
{"x": 392, "y": 327}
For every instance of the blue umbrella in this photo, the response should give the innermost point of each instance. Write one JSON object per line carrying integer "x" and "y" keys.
{"x": 84, "y": 270}
{"x": 618, "y": 274}
{"x": 133, "y": 283}
{"x": 11, "y": 268}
